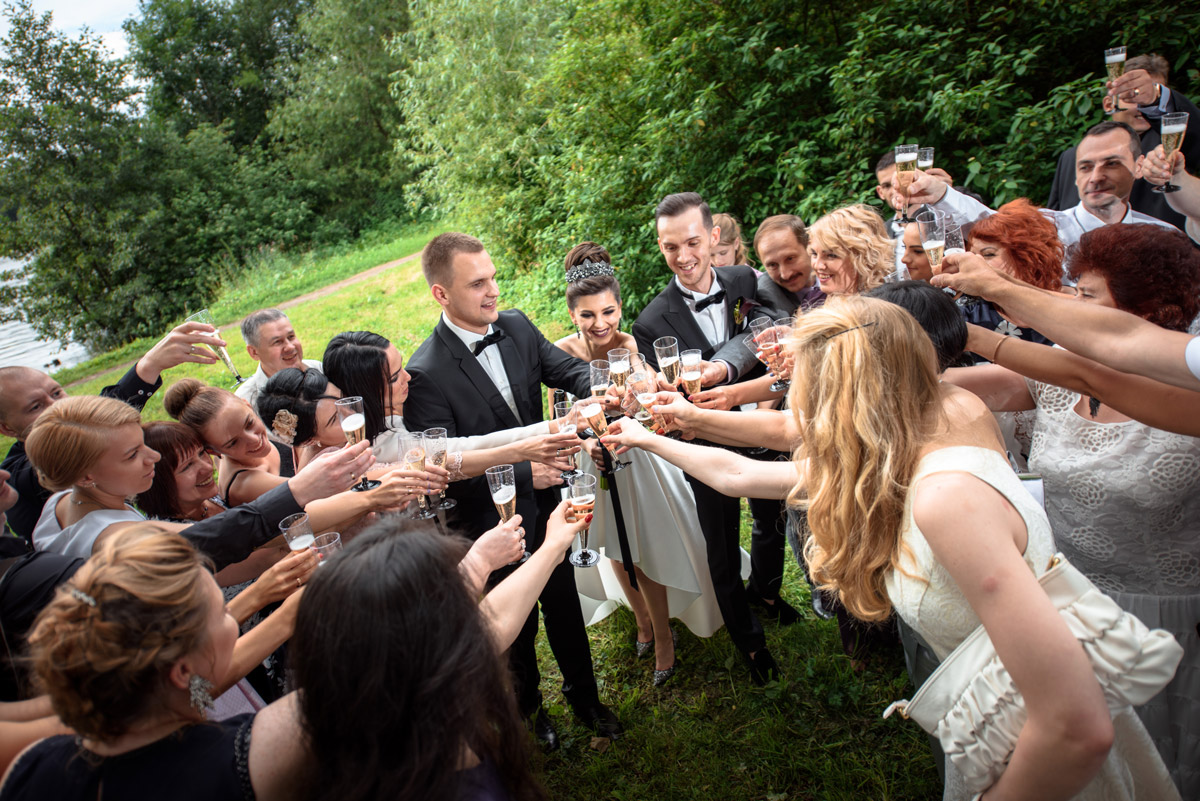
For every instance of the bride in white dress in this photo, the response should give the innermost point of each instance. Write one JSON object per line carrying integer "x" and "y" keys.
{"x": 939, "y": 529}
{"x": 666, "y": 545}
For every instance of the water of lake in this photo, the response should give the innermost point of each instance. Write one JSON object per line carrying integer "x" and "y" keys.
{"x": 21, "y": 345}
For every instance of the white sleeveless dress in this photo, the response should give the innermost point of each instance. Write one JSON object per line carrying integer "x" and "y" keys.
{"x": 937, "y": 610}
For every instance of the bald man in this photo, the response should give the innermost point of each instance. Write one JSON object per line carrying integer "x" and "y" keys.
{"x": 25, "y": 393}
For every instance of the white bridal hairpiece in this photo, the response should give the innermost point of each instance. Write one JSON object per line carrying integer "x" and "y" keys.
{"x": 588, "y": 269}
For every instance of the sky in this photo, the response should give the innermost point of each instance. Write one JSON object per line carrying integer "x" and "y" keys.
{"x": 102, "y": 17}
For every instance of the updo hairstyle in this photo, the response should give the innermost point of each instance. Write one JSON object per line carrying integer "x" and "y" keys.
{"x": 70, "y": 436}
{"x": 586, "y": 287}
{"x": 194, "y": 403}
{"x": 105, "y": 666}
{"x": 298, "y": 391}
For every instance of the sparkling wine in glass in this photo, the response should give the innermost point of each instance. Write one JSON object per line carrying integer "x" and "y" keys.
{"x": 618, "y": 366}
{"x": 666, "y": 350}
{"x": 906, "y": 167}
{"x": 354, "y": 426}
{"x": 297, "y": 531}
{"x": 924, "y": 158}
{"x": 932, "y": 224}
{"x": 413, "y": 453}
{"x": 643, "y": 391}
{"x": 562, "y": 411}
{"x": 435, "y": 454}
{"x": 593, "y": 412}
{"x": 502, "y": 483}
{"x": 205, "y": 316}
{"x": 1174, "y": 126}
{"x": 783, "y": 332}
{"x": 582, "y": 500}
{"x": 689, "y": 374}
{"x": 764, "y": 343}
{"x": 1114, "y": 64}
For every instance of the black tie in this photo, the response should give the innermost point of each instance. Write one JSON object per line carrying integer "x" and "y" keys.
{"x": 704, "y": 303}
{"x": 487, "y": 342}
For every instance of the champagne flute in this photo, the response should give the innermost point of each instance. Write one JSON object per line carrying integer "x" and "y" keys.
{"x": 354, "y": 426}
{"x": 502, "y": 483}
{"x": 1114, "y": 62}
{"x": 600, "y": 374}
{"x": 297, "y": 531}
{"x": 765, "y": 345}
{"x": 1173, "y": 128}
{"x": 690, "y": 374}
{"x": 906, "y": 166}
{"x": 205, "y": 316}
{"x": 435, "y": 452}
{"x": 618, "y": 366}
{"x": 666, "y": 350}
{"x": 593, "y": 412}
{"x": 954, "y": 238}
{"x": 643, "y": 391}
{"x": 783, "y": 330}
{"x": 932, "y": 224}
{"x": 582, "y": 500}
{"x": 924, "y": 158}
{"x": 562, "y": 410}
{"x": 414, "y": 452}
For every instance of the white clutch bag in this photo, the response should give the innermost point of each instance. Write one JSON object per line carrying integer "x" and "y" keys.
{"x": 972, "y": 706}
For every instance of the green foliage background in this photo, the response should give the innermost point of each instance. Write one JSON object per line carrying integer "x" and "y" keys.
{"x": 287, "y": 125}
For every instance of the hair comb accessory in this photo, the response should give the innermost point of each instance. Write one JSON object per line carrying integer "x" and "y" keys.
{"x": 847, "y": 330}
{"x": 81, "y": 596}
{"x": 589, "y": 269}
{"x": 284, "y": 426}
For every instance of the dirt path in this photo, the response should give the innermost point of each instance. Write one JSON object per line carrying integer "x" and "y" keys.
{"x": 329, "y": 289}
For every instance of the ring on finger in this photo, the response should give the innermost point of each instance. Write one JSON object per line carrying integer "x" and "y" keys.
{"x": 297, "y": 582}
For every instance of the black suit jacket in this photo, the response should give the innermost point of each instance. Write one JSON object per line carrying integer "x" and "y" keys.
{"x": 451, "y": 390}
{"x": 668, "y": 315}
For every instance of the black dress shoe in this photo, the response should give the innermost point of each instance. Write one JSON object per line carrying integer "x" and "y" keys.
{"x": 543, "y": 729}
{"x": 818, "y": 605}
{"x": 600, "y": 719}
{"x": 778, "y": 610}
{"x": 762, "y": 667}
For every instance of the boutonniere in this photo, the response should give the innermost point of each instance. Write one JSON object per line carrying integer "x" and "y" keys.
{"x": 742, "y": 308}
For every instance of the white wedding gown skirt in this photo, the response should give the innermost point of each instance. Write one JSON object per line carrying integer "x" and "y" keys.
{"x": 665, "y": 541}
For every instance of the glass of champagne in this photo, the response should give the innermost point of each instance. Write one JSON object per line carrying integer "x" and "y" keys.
{"x": 593, "y": 412}
{"x": 954, "y": 238}
{"x": 783, "y": 331}
{"x": 502, "y": 483}
{"x": 1173, "y": 128}
{"x": 435, "y": 454}
{"x": 581, "y": 499}
{"x": 643, "y": 387}
{"x": 297, "y": 531}
{"x": 666, "y": 350}
{"x": 618, "y": 366}
{"x": 924, "y": 158}
{"x": 933, "y": 237}
{"x": 205, "y": 316}
{"x": 562, "y": 411}
{"x": 1114, "y": 62}
{"x": 600, "y": 374}
{"x": 354, "y": 426}
{"x": 764, "y": 343}
{"x": 413, "y": 453}
{"x": 906, "y": 166}
{"x": 689, "y": 374}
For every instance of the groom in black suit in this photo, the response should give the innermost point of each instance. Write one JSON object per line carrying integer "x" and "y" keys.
{"x": 481, "y": 371}
{"x": 706, "y": 308}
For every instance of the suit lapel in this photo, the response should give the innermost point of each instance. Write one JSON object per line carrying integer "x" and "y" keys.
{"x": 731, "y": 298}
{"x": 470, "y": 367}
{"x": 680, "y": 318}
{"x": 511, "y": 357}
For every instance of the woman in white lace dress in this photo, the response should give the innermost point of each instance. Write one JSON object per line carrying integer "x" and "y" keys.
{"x": 925, "y": 466}
{"x": 1123, "y": 498}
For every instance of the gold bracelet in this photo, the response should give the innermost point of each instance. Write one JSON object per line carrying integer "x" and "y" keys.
{"x": 996, "y": 352}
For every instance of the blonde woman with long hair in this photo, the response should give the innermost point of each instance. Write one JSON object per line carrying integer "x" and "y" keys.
{"x": 850, "y": 250}
{"x": 912, "y": 507}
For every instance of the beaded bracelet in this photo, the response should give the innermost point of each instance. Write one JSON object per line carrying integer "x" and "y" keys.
{"x": 454, "y": 465}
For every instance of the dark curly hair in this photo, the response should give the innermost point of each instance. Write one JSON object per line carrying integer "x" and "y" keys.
{"x": 1151, "y": 271}
{"x": 398, "y": 674}
{"x": 1031, "y": 240}
{"x": 299, "y": 392}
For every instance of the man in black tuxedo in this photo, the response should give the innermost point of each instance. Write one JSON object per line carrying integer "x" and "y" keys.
{"x": 481, "y": 371}
{"x": 706, "y": 309}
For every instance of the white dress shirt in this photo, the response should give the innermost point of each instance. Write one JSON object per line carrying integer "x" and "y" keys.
{"x": 490, "y": 360}
{"x": 712, "y": 319}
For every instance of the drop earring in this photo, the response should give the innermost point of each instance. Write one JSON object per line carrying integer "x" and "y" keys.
{"x": 200, "y": 693}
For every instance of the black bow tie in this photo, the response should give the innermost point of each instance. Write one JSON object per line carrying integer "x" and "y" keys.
{"x": 487, "y": 342}
{"x": 704, "y": 303}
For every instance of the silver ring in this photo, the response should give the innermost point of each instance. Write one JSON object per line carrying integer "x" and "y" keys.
{"x": 297, "y": 583}
{"x": 191, "y": 348}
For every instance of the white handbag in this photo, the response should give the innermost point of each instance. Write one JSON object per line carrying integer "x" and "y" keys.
{"x": 972, "y": 706}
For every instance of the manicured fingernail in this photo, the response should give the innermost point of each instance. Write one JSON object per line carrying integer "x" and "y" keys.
{"x": 588, "y": 519}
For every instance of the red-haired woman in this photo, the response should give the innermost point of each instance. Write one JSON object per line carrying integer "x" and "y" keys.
{"x": 1020, "y": 241}
{"x": 1123, "y": 498}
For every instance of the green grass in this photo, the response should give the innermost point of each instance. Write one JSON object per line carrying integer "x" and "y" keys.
{"x": 709, "y": 734}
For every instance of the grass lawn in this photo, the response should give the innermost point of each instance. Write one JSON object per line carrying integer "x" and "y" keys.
{"x": 709, "y": 734}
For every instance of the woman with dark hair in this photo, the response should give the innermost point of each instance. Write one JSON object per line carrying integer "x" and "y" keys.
{"x": 1124, "y": 498}
{"x": 366, "y": 364}
{"x": 935, "y": 312}
{"x": 666, "y": 545}
{"x": 309, "y": 400}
